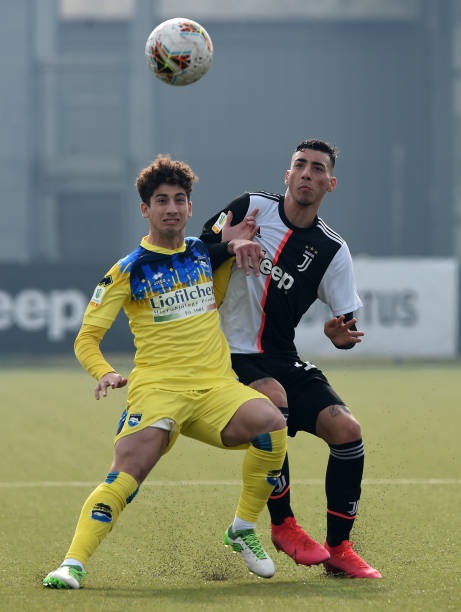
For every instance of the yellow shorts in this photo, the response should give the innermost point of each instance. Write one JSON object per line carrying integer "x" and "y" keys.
{"x": 201, "y": 414}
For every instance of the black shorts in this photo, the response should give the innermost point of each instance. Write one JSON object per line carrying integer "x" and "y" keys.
{"x": 307, "y": 388}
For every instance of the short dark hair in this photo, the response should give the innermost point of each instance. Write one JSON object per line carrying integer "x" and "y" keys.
{"x": 164, "y": 170}
{"x": 315, "y": 144}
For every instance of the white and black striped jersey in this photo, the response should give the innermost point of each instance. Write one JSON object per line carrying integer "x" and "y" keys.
{"x": 259, "y": 314}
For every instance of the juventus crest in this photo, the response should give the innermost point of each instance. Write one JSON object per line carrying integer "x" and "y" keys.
{"x": 308, "y": 257}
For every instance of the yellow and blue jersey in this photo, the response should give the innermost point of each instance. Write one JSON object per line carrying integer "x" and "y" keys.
{"x": 170, "y": 304}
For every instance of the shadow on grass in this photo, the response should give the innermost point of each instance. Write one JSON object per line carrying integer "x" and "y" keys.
{"x": 216, "y": 594}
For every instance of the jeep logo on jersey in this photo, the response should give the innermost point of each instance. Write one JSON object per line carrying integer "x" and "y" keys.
{"x": 283, "y": 279}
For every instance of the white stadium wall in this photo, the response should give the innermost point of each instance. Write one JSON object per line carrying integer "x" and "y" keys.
{"x": 410, "y": 309}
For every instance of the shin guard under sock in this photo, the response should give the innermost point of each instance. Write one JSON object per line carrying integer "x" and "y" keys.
{"x": 260, "y": 472}
{"x": 100, "y": 512}
{"x": 343, "y": 488}
{"x": 278, "y": 503}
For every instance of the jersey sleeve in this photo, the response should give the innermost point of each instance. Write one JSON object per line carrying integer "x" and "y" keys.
{"x": 110, "y": 295}
{"x": 89, "y": 354}
{"x": 337, "y": 288}
{"x": 221, "y": 278}
{"x": 108, "y": 298}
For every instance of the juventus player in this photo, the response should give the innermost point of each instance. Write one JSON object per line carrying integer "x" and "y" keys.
{"x": 302, "y": 260}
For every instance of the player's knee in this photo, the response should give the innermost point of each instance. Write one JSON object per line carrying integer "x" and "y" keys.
{"x": 271, "y": 420}
{"x": 352, "y": 430}
{"x": 356, "y": 430}
{"x": 268, "y": 417}
{"x": 277, "y": 420}
{"x": 272, "y": 389}
{"x": 337, "y": 425}
{"x": 350, "y": 426}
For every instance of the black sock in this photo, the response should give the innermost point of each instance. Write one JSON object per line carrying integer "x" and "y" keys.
{"x": 278, "y": 503}
{"x": 343, "y": 488}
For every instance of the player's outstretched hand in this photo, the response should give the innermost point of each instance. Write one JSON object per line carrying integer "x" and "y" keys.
{"x": 114, "y": 380}
{"x": 340, "y": 333}
{"x": 246, "y": 229}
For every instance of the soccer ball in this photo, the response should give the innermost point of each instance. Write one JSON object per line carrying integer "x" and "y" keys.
{"x": 179, "y": 51}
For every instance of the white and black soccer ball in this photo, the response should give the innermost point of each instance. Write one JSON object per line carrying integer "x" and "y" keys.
{"x": 179, "y": 51}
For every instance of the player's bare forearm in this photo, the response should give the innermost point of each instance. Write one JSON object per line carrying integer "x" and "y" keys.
{"x": 343, "y": 333}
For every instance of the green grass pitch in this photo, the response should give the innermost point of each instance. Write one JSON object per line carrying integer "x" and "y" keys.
{"x": 166, "y": 551}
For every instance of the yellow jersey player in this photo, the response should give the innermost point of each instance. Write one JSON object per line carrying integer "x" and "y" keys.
{"x": 182, "y": 381}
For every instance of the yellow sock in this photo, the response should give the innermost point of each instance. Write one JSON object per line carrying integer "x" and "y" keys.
{"x": 261, "y": 469}
{"x": 99, "y": 514}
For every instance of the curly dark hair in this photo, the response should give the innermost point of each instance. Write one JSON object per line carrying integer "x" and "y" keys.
{"x": 164, "y": 170}
{"x": 315, "y": 144}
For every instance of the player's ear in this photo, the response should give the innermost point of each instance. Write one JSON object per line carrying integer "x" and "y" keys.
{"x": 144, "y": 209}
{"x": 287, "y": 174}
{"x": 189, "y": 214}
{"x": 332, "y": 186}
